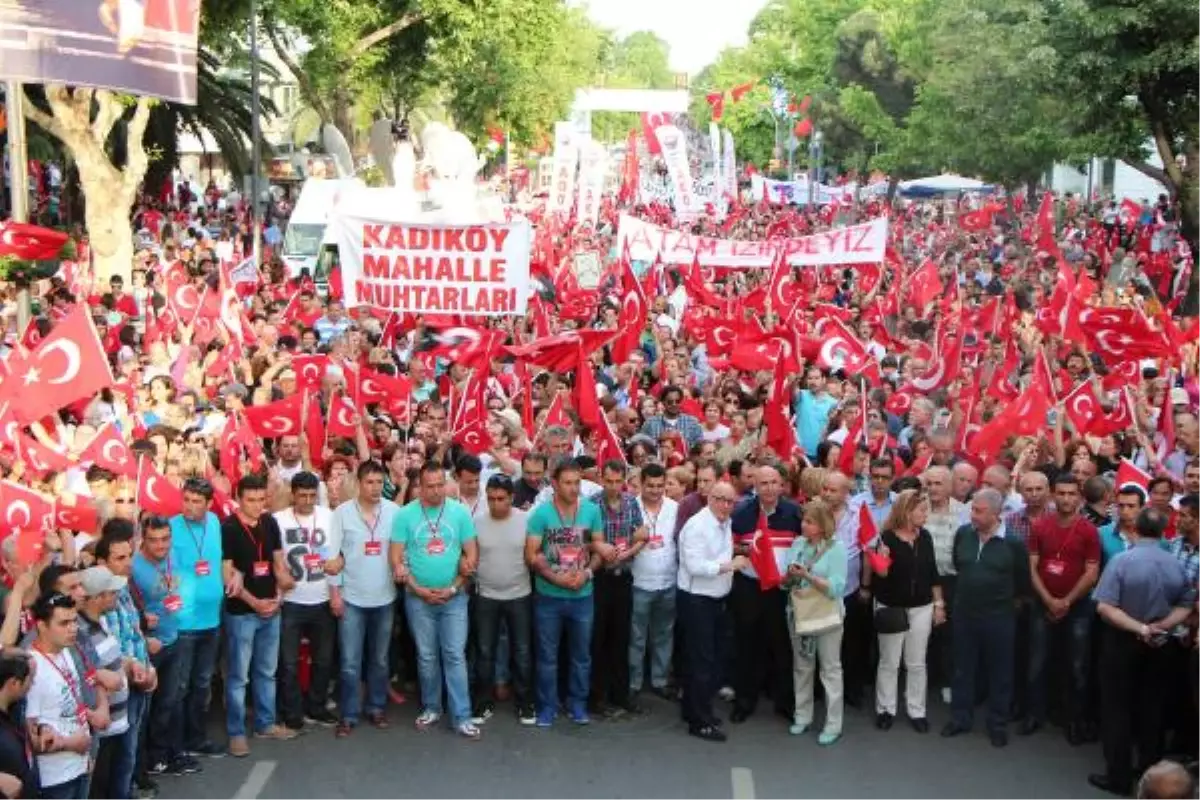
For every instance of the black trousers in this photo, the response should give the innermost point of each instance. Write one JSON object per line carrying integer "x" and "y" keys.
{"x": 858, "y": 635}
{"x": 317, "y": 623}
{"x": 940, "y": 656}
{"x": 1181, "y": 719}
{"x": 1133, "y": 689}
{"x": 486, "y": 617}
{"x": 613, "y": 604}
{"x": 762, "y": 648}
{"x": 700, "y": 618}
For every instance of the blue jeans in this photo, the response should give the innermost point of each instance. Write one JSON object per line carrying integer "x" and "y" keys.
{"x": 125, "y": 757}
{"x": 652, "y": 622}
{"x": 440, "y": 633}
{"x": 75, "y": 789}
{"x": 196, "y": 659}
{"x": 252, "y": 645}
{"x": 1076, "y": 629}
{"x": 553, "y": 615}
{"x": 371, "y": 627}
{"x": 992, "y": 637}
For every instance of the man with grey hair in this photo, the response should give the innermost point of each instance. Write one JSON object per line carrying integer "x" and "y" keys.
{"x": 946, "y": 516}
{"x": 993, "y": 572}
{"x": 1166, "y": 780}
{"x": 966, "y": 478}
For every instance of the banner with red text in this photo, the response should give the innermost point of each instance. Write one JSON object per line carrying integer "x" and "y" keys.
{"x": 562, "y": 181}
{"x": 729, "y": 168}
{"x": 856, "y": 244}
{"x": 675, "y": 156}
{"x": 475, "y": 270}
{"x": 593, "y": 168}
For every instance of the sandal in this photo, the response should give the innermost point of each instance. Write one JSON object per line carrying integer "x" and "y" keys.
{"x": 342, "y": 730}
{"x": 379, "y": 720}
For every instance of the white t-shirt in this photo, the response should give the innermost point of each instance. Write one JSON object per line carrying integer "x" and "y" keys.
{"x": 717, "y": 434}
{"x": 56, "y": 701}
{"x": 305, "y": 541}
{"x": 656, "y": 566}
{"x": 502, "y": 573}
{"x": 286, "y": 473}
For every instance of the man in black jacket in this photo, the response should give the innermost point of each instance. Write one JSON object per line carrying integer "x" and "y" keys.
{"x": 763, "y": 646}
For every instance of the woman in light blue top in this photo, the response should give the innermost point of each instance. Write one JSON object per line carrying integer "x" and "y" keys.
{"x": 817, "y": 560}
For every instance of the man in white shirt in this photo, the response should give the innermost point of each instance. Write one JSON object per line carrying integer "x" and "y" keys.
{"x": 304, "y": 533}
{"x": 706, "y": 567}
{"x": 655, "y": 569}
{"x": 290, "y": 462}
{"x": 504, "y": 595}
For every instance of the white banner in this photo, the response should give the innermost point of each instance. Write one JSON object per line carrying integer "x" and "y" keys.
{"x": 593, "y": 166}
{"x": 473, "y": 269}
{"x": 797, "y": 191}
{"x": 562, "y": 182}
{"x": 714, "y": 143}
{"x": 729, "y": 167}
{"x": 674, "y": 151}
{"x": 857, "y": 244}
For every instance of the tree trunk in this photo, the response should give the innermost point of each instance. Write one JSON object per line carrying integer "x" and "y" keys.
{"x": 82, "y": 120}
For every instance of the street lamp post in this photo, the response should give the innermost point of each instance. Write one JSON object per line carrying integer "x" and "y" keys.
{"x": 814, "y": 156}
{"x": 255, "y": 136}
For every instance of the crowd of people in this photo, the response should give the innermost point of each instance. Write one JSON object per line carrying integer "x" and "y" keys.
{"x": 677, "y": 517}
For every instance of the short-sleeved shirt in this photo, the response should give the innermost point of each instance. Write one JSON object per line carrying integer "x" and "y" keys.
{"x": 433, "y": 539}
{"x": 1146, "y": 582}
{"x": 252, "y": 550}
{"x": 1063, "y": 552}
{"x": 194, "y": 544}
{"x": 306, "y": 548}
{"x": 154, "y": 582}
{"x": 564, "y": 542}
{"x": 53, "y": 700}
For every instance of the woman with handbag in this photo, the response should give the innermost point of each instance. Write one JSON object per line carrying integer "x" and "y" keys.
{"x": 908, "y": 603}
{"x": 816, "y": 581}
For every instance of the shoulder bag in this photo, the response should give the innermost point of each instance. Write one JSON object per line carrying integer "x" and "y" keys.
{"x": 813, "y": 611}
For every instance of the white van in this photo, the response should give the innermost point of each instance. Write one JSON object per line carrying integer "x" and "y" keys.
{"x": 306, "y": 228}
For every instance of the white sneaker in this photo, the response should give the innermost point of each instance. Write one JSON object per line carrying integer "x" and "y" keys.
{"x": 946, "y": 695}
{"x": 469, "y": 730}
{"x": 727, "y": 694}
{"x": 427, "y": 719}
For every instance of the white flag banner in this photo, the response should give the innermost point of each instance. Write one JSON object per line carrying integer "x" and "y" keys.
{"x": 562, "y": 181}
{"x": 674, "y": 151}
{"x": 797, "y": 192}
{"x": 471, "y": 269}
{"x": 593, "y": 166}
{"x": 718, "y": 184}
{"x": 856, "y": 244}
{"x": 729, "y": 167}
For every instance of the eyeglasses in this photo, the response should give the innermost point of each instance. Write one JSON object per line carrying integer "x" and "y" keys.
{"x": 718, "y": 499}
{"x": 123, "y": 500}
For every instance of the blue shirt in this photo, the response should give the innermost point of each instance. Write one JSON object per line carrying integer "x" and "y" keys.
{"x": 812, "y": 417}
{"x": 366, "y": 580}
{"x": 1146, "y": 583}
{"x": 1112, "y": 542}
{"x": 825, "y": 560}
{"x": 153, "y": 582}
{"x": 201, "y": 595}
{"x": 879, "y": 511}
{"x": 328, "y": 329}
{"x": 433, "y": 540}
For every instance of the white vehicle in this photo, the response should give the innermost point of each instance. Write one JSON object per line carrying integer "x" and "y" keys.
{"x": 307, "y": 227}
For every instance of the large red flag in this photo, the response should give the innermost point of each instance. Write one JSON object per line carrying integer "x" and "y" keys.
{"x": 587, "y": 404}
{"x": 1023, "y": 417}
{"x": 342, "y": 416}
{"x": 155, "y": 493}
{"x": 762, "y": 553}
{"x": 22, "y": 508}
{"x": 281, "y": 418}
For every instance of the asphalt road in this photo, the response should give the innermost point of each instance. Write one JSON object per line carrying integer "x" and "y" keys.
{"x": 647, "y": 757}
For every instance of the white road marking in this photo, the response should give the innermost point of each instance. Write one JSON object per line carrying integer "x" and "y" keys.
{"x": 743, "y": 783}
{"x": 256, "y": 781}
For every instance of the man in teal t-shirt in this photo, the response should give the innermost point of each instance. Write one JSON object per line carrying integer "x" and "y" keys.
{"x": 433, "y": 547}
{"x": 558, "y": 548}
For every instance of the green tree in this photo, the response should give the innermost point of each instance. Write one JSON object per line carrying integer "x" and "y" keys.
{"x": 641, "y": 60}
{"x": 1128, "y": 72}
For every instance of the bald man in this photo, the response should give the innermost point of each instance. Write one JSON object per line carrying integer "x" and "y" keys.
{"x": 946, "y": 516}
{"x": 1187, "y": 442}
{"x": 966, "y": 479}
{"x": 1166, "y": 780}
{"x": 999, "y": 478}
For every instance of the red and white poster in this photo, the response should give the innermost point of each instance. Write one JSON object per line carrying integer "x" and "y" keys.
{"x": 593, "y": 166}
{"x": 856, "y": 244}
{"x": 674, "y": 152}
{"x": 562, "y": 174}
{"x": 470, "y": 269}
{"x": 145, "y": 47}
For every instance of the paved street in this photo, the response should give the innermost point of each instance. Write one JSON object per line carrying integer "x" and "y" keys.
{"x": 649, "y": 757}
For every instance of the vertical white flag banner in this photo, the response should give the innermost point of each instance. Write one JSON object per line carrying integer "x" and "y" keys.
{"x": 562, "y": 183}
{"x": 729, "y": 167}
{"x": 593, "y": 165}
{"x": 718, "y": 184}
{"x": 674, "y": 151}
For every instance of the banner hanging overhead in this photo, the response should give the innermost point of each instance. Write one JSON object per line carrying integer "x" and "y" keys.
{"x": 145, "y": 47}
{"x": 472, "y": 269}
{"x": 856, "y": 244}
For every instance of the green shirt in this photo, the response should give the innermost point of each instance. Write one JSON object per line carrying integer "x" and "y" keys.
{"x": 991, "y": 576}
{"x": 565, "y": 543}
{"x": 433, "y": 540}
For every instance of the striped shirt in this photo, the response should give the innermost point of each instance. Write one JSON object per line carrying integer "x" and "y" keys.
{"x": 101, "y": 650}
{"x": 126, "y": 625}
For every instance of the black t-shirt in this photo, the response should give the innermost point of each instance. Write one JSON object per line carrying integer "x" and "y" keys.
{"x": 912, "y": 575}
{"x": 247, "y": 546}
{"x": 15, "y": 756}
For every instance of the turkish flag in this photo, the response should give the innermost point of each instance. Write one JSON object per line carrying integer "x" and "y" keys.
{"x": 587, "y": 404}
{"x": 375, "y": 387}
{"x": 556, "y": 415}
{"x": 68, "y": 365}
{"x": 230, "y": 452}
{"x": 924, "y": 286}
{"x": 23, "y": 508}
{"x": 76, "y": 517}
{"x": 1043, "y": 225}
{"x": 1122, "y": 374}
{"x": 314, "y": 431}
{"x": 342, "y": 416}
{"x": 560, "y": 352}
{"x": 716, "y": 101}
{"x": 635, "y": 309}
{"x": 30, "y": 242}
{"x": 1119, "y": 419}
{"x": 975, "y": 221}
{"x": 867, "y": 534}
{"x": 182, "y": 296}
{"x": 1082, "y": 407}
{"x": 1130, "y": 473}
{"x": 38, "y": 458}
{"x": 781, "y": 434}
{"x": 651, "y": 121}
{"x": 762, "y": 554}
{"x": 1024, "y": 416}
{"x": 222, "y": 504}
{"x": 310, "y": 371}
{"x": 32, "y": 336}
{"x": 281, "y": 418}
{"x": 474, "y": 436}
{"x": 840, "y": 348}
{"x": 155, "y": 493}
{"x": 609, "y": 446}
{"x": 471, "y": 347}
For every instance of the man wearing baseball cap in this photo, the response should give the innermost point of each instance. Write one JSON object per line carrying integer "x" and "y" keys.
{"x": 103, "y": 655}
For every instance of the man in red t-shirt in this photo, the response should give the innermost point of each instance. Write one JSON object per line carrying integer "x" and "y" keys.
{"x": 1064, "y": 561}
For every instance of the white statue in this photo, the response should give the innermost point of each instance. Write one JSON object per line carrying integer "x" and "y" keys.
{"x": 451, "y": 164}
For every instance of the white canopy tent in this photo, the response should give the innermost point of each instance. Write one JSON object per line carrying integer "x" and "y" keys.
{"x": 942, "y": 184}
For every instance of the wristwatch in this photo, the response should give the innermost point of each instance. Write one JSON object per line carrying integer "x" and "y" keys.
{"x": 590, "y": 574}
{"x": 453, "y": 591}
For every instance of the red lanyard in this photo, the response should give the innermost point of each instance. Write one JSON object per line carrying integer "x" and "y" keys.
{"x": 370, "y": 526}
{"x": 257, "y": 542}
{"x": 65, "y": 675}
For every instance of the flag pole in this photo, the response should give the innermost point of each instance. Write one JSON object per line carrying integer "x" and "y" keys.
{"x": 18, "y": 184}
